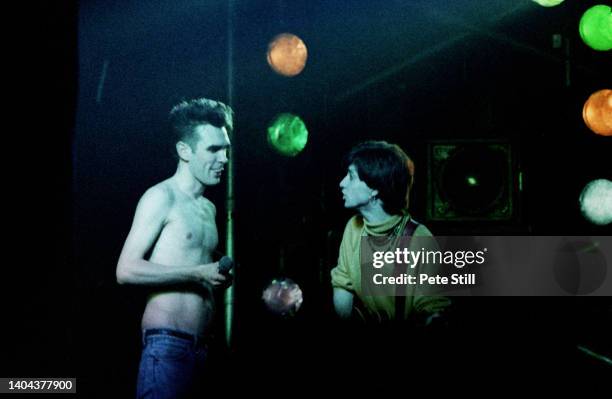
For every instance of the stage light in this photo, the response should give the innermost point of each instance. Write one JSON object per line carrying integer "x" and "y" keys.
{"x": 596, "y": 202}
{"x": 597, "y": 112}
{"x": 287, "y": 134}
{"x": 287, "y": 54}
{"x": 283, "y": 297}
{"x": 472, "y": 181}
{"x": 548, "y": 3}
{"x": 596, "y": 27}
{"x": 580, "y": 266}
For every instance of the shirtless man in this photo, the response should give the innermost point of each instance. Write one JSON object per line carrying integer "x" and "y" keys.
{"x": 176, "y": 223}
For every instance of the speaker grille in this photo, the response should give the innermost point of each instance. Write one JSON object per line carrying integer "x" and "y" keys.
{"x": 470, "y": 180}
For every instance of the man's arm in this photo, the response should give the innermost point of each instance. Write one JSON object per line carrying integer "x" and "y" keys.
{"x": 343, "y": 302}
{"x": 149, "y": 220}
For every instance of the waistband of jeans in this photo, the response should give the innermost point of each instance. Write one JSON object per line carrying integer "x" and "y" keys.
{"x": 193, "y": 339}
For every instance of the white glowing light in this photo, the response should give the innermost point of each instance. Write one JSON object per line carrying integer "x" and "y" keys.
{"x": 548, "y": 3}
{"x": 596, "y": 202}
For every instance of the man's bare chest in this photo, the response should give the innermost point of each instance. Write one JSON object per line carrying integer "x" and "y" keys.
{"x": 190, "y": 226}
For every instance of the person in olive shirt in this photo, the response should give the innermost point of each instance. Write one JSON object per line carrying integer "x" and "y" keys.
{"x": 377, "y": 185}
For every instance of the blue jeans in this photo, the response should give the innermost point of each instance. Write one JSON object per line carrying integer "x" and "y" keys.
{"x": 169, "y": 364}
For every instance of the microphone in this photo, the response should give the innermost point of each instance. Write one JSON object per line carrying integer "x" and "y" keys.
{"x": 225, "y": 264}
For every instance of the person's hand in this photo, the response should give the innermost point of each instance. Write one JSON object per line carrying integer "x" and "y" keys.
{"x": 209, "y": 273}
{"x": 436, "y": 321}
{"x": 430, "y": 319}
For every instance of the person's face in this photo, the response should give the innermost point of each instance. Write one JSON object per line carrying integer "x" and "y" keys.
{"x": 208, "y": 160}
{"x": 355, "y": 192}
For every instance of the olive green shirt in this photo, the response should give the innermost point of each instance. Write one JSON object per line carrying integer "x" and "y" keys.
{"x": 347, "y": 274}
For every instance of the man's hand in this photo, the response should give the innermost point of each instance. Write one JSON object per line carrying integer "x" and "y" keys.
{"x": 209, "y": 273}
{"x": 343, "y": 303}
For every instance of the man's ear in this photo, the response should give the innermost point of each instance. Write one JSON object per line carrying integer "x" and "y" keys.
{"x": 184, "y": 151}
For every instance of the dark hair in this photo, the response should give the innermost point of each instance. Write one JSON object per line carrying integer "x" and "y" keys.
{"x": 187, "y": 115}
{"x": 384, "y": 167}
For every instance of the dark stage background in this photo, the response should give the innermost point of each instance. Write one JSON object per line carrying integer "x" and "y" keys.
{"x": 404, "y": 71}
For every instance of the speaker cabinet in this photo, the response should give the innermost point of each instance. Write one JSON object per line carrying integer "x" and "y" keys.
{"x": 471, "y": 180}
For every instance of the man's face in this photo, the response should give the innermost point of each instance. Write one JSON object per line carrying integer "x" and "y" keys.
{"x": 355, "y": 192}
{"x": 210, "y": 155}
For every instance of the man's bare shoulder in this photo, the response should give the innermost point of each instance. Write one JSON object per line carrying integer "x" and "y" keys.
{"x": 159, "y": 197}
{"x": 209, "y": 204}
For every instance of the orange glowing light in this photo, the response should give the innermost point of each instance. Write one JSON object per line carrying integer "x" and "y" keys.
{"x": 597, "y": 112}
{"x": 287, "y": 54}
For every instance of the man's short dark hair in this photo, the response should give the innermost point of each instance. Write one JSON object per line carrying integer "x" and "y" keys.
{"x": 384, "y": 167}
{"x": 187, "y": 115}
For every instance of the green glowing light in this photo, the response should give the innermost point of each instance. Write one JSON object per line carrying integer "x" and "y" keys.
{"x": 471, "y": 181}
{"x": 287, "y": 134}
{"x": 548, "y": 3}
{"x": 596, "y": 27}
